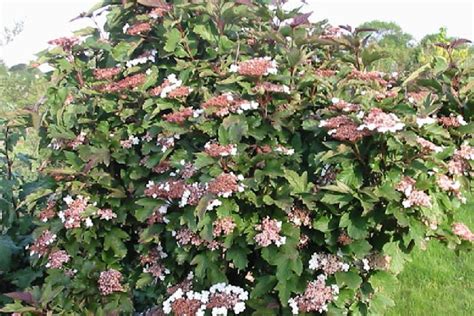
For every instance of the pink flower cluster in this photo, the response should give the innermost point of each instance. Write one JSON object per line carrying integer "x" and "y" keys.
{"x": 190, "y": 194}
{"x": 179, "y": 116}
{"x": 327, "y": 262}
{"x": 325, "y": 73}
{"x": 419, "y": 96}
{"x": 158, "y": 215}
{"x": 166, "y": 142}
{"x": 378, "y": 120}
{"x": 332, "y": 33}
{"x": 343, "y": 128}
{"x": 226, "y": 103}
{"x": 299, "y": 216}
{"x": 315, "y": 298}
{"x": 256, "y": 67}
{"x": 223, "y": 226}
{"x": 162, "y": 167}
{"x": 376, "y": 261}
{"x": 379, "y": 96}
{"x": 215, "y": 150}
{"x": 48, "y": 212}
{"x": 220, "y": 298}
{"x": 225, "y": 184}
{"x": 152, "y": 263}
{"x": 41, "y": 245}
{"x": 413, "y": 197}
{"x": 64, "y": 143}
{"x": 138, "y": 28}
{"x": 106, "y": 73}
{"x": 463, "y": 232}
{"x": 78, "y": 140}
{"x": 57, "y": 259}
{"x": 368, "y": 76}
{"x": 186, "y": 237}
{"x": 65, "y": 42}
{"x": 459, "y": 164}
{"x": 269, "y": 233}
{"x": 106, "y": 214}
{"x": 449, "y": 185}
{"x": 161, "y": 9}
{"x": 171, "y": 88}
{"x": 129, "y": 82}
{"x": 341, "y": 105}
{"x": 428, "y": 146}
{"x": 271, "y": 88}
{"x": 110, "y": 282}
{"x": 452, "y": 121}
{"x": 128, "y": 143}
{"x": 344, "y": 239}
{"x": 72, "y": 216}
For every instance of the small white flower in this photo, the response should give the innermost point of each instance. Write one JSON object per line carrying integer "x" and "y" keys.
{"x": 89, "y": 222}
{"x": 234, "y": 68}
{"x": 125, "y": 28}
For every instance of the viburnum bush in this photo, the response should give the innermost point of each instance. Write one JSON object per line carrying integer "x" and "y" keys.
{"x": 215, "y": 157}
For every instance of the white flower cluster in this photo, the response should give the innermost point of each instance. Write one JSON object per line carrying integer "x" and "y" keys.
{"x": 246, "y": 106}
{"x": 422, "y": 121}
{"x": 150, "y": 56}
{"x": 228, "y": 289}
{"x": 191, "y": 295}
{"x": 166, "y": 142}
{"x": 284, "y": 150}
{"x": 317, "y": 299}
{"x": 172, "y": 84}
{"x": 187, "y": 193}
{"x": 205, "y": 296}
{"x": 261, "y": 62}
{"x": 328, "y": 263}
{"x": 389, "y": 122}
{"x": 212, "y": 204}
{"x": 197, "y": 112}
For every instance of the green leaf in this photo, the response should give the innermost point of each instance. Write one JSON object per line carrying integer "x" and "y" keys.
{"x": 398, "y": 257}
{"x": 238, "y": 256}
{"x": 114, "y": 240}
{"x": 6, "y": 250}
{"x": 144, "y": 280}
{"x": 263, "y": 285}
{"x": 123, "y": 50}
{"x": 415, "y": 74}
{"x": 350, "y": 279}
{"x": 204, "y": 32}
{"x": 298, "y": 184}
{"x": 173, "y": 37}
{"x": 357, "y": 227}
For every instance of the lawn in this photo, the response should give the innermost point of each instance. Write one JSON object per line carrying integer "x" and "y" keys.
{"x": 437, "y": 282}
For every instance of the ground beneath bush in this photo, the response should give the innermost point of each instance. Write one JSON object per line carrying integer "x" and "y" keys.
{"x": 437, "y": 282}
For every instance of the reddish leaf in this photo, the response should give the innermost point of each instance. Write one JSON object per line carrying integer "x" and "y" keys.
{"x": 300, "y": 19}
{"x": 22, "y": 296}
{"x": 346, "y": 27}
{"x": 365, "y": 29}
{"x": 442, "y": 45}
{"x": 458, "y": 42}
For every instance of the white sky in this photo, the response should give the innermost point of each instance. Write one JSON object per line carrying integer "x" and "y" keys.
{"x": 49, "y": 19}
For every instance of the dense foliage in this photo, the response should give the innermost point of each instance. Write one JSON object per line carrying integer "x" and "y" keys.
{"x": 19, "y": 87}
{"x": 227, "y": 156}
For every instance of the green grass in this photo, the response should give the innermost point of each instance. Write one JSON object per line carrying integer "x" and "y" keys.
{"x": 437, "y": 282}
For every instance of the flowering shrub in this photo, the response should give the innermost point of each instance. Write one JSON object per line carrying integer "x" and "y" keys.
{"x": 229, "y": 157}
